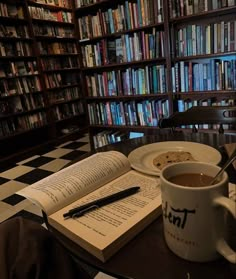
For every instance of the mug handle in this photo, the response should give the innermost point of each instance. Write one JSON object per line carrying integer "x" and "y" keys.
{"x": 222, "y": 246}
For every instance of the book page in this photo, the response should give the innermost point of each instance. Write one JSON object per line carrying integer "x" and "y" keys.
{"x": 76, "y": 181}
{"x": 103, "y": 226}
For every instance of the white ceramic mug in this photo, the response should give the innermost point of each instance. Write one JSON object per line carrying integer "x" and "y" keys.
{"x": 195, "y": 217}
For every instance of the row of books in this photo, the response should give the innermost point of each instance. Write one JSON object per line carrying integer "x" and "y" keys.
{"x": 129, "y": 47}
{"x": 46, "y": 14}
{"x": 9, "y": 10}
{"x": 57, "y": 48}
{"x": 61, "y": 79}
{"x": 108, "y": 137}
{"x": 82, "y": 3}
{"x": 53, "y": 31}
{"x": 19, "y": 85}
{"x": 60, "y": 3}
{"x": 58, "y": 63}
{"x": 22, "y": 123}
{"x": 206, "y": 39}
{"x": 130, "y": 81}
{"x": 131, "y": 113}
{"x": 65, "y": 94}
{"x": 216, "y": 127}
{"x": 17, "y": 68}
{"x": 15, "y": 49}
{"x": 214, "y": 74}
{"x": 31, "y": 121}
{"x": 180, "y": 8}
{"x": 30, "y": 101}
{"x": 183, "y": 105}
{"x": 14, "y": 31}
{"x": 22, "y": 103}
{"x": 129, "y": 15}
{"x": 64, "y": 111}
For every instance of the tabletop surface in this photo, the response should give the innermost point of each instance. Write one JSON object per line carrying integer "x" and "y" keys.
{"x": 147, "y": 255}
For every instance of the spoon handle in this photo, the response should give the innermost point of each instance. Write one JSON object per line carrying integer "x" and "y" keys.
{"x": 227, "y": 163}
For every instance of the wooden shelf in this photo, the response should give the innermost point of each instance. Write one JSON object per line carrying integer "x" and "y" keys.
{"x": 212, "y": 14}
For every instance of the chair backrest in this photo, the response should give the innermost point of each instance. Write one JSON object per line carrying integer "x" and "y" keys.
{"x": 201, "y": 115}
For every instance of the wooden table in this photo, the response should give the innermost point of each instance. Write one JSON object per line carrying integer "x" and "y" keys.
{"x": 147, "y": 255}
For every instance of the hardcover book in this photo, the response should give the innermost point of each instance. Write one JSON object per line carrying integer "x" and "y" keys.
{"x": 103, "y": 231}
{"x": 119, "y": 50}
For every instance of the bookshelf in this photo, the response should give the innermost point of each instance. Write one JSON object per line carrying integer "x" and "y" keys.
{"x": 118, "y": 65}
{"x": 40, "y": 95}
{"x": 22, "y": 106}
{"x": 203, "y": 54}
{"x": 123, "y": 46}
{"x": 143, "y": 60}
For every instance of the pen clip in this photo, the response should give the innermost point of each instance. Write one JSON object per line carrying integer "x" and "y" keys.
{"x": 81, "y": 212}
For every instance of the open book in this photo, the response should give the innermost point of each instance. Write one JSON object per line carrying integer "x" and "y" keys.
{"x": 103, "y": 231}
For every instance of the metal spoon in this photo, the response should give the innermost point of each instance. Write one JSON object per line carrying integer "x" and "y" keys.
{"x": 228, "y": 162}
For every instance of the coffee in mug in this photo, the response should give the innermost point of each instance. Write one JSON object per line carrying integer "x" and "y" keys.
{"x": 194, "y": 220}
{"x": 191, "y": 179}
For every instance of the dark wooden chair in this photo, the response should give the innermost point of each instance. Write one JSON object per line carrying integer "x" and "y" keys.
{"x": 202, "y": 115}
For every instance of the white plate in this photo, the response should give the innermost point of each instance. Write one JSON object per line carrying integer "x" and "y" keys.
{"x": 141, "y": 158}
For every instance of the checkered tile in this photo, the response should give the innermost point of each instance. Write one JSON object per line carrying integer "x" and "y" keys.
{"x": 74, "y": 154}
{"x": 39, "y": 161}
{"x": 2, "y": 181}
{"x": 33, "y": 176}
{"x": 13, "y": 199}
{"x": 22, "y": 173}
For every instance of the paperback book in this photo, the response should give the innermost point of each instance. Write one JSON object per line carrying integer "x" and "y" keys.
{"x": 103, "y": 231}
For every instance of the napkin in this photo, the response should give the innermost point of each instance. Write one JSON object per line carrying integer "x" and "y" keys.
{"x": 230, "y": 147}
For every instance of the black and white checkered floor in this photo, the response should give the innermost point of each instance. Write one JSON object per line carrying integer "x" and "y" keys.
{"x": 23, "y": 173}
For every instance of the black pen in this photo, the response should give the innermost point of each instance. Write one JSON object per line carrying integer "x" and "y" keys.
{"x": 81, "y": 210}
